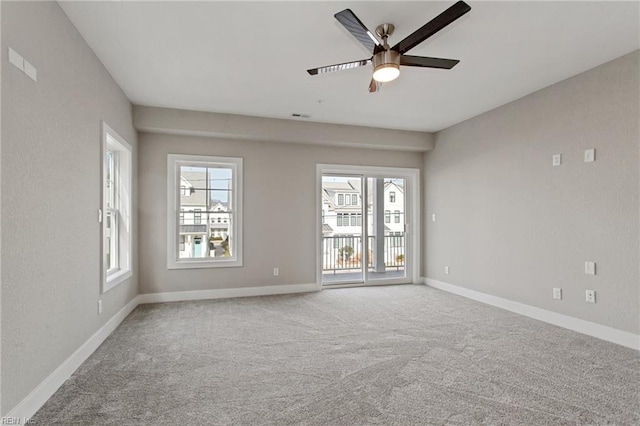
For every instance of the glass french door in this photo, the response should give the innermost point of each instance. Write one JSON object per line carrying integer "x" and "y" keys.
{"x": 364, "y": 224}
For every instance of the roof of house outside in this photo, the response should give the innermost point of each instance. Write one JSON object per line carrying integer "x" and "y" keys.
{"x": 198, "y": 196}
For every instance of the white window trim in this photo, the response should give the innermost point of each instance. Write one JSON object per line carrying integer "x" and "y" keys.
{"x": 173, "y": 185}
{"x": 124, "y": 181}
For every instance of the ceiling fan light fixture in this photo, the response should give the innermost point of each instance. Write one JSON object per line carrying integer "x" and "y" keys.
{"x": 386, "y": 66}
{"x": 386, "y": 72}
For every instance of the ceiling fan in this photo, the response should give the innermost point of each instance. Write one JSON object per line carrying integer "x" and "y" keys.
{"x": 387, "y": 60}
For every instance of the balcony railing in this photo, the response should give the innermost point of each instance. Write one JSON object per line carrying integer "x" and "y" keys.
{"x": 344, "y": 253}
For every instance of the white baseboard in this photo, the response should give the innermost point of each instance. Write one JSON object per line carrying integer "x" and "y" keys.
{"x": 226, "y": 293}
{"x": 36, "y": 399}
{"x": 589, "y": 328}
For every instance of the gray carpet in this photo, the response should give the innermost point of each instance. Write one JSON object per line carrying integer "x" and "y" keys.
{"x": 399, "y": 355}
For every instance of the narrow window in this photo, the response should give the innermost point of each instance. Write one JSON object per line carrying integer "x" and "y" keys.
{"x": 387, "y": 216}
{"x": 340, "y": 199}
{"x": 347, "y": 200}
{"x": 116, "y": 209}
{"x": 392, "y": 197}
{"x": 397, "y": 216}
{"x": 354, "y": 199}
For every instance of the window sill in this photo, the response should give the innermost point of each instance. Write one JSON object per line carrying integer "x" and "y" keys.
{"x": 115, "y": 279}
{"x": 195, "y": 264}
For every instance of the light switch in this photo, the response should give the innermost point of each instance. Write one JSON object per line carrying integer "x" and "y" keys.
{"x": 16, "y": 59}
{"x": 31, "y": 71}
{"x": 446, "y": 270}
{"x": 557, "y": 293}
{"x": 556, "y": 160}
{"x": 590, "y": 155}
{"x": 433, "y": 217}
{"x": 590, "y": 268}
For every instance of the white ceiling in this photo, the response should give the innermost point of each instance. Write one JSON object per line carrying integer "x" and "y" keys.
{"x": 250, "y": 58}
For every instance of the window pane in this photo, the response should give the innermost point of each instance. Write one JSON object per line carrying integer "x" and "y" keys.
{"x": 108, "y": 237}
{"x": 340, "y": 199}
{"x": 206, "y": 231}
{"x": 110, "y": 179}
{"x": 348, "y": 200}
{"x": 354, "y": 199}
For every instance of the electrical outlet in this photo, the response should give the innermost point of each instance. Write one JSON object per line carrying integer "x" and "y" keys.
{"x": 557, "y": 293}
{"x": 556, "y": 160}
{"x": 590, "y": 268}
{"x": 590, "y": 155}
{"x": 99, "y": 306}
{"x": 590, "y": 296}
{"x": 276, "y": 272}
{"x": 446, "y": 270}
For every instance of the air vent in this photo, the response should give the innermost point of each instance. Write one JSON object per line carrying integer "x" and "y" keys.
{"x": 296, "y": 115}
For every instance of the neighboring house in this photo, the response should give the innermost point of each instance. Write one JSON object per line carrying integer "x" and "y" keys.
{"x": 342, "y": 207}
{"x": 204, "y": 222}
{"x": 342, "y": 219}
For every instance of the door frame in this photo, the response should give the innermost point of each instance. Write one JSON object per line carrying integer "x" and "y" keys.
{"x": 413, "y": 217}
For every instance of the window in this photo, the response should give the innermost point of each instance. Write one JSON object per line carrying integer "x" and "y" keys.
{"x": 212, "y": 181}
{"x": 396, "y": 213}
{"x": 116, "y": 209}
{"x": 392, "y": 197}
{"x": 347, "y": 199}
{"x": 340, "y": 199}
{"x": 354, "y": 199}
{"x": 387, "y": 216}
{"x": 342, "y": 219}
{"x": 356, "y": 219}
{"x": 181, "y": 216}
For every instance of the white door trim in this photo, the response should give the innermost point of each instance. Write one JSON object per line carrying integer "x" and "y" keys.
{"x": 412, "y": 177}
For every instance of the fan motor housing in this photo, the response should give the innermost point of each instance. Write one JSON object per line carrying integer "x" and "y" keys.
{"x": 386, "y": 58}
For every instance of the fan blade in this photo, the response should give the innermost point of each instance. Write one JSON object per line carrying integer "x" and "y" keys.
{"x": 350, "y": 21}
{"x": 339, "y": 67}
{"x": 426, "y": 62}
{"x": 374, "y": 86}
{"x": 432, "y": 27}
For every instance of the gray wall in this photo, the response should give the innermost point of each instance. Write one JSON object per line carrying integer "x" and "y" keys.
{"x": 51, "y": 150}
{"x": 511, "y": 225}
{"x": 279, "y": 209}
